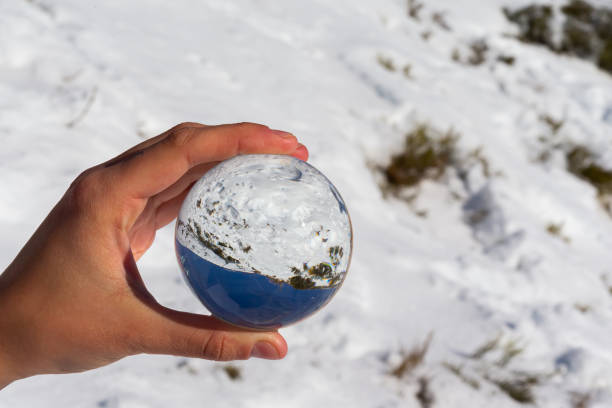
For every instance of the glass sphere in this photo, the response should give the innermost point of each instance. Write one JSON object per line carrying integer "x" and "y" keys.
{"x": 263, "y": 240}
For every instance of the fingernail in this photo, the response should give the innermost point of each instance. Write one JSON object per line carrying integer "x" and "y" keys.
{"x": 263, "y": 349}
{"x": 280, "y": 133}
{"x": 301, "y": 149}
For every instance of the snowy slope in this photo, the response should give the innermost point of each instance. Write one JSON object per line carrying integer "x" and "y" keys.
{"x": 81, "y": 81}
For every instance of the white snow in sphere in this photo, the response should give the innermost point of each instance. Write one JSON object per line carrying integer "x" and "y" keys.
{"x": 269, "y": 214}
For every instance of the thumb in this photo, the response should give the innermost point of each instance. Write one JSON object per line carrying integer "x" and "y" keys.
{"x": 167, "y": 331}
{"x": 155, "y": 329}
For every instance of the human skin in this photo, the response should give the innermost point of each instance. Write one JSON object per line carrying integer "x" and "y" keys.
{"x": 73, "y": 298}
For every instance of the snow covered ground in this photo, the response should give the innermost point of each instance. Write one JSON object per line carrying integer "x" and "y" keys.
{"x": 81, "y": 81}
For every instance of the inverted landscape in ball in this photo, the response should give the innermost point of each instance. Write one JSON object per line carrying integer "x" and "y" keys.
{"x": 263, "y": 240}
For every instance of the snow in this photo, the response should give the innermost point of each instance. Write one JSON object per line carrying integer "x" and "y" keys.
{"x": 273, "y": 214}
{"x": 82, "y": 81}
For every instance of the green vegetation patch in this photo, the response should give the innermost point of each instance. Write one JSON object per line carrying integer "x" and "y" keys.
{"x": 491, "y": 362}
{"x": 426, "y": 155}
{"x": 586, "y": 31}
{"x": 519, "y": 388}
{"x": 579, "y": 10}
{"x": 556, "y": 230}
{"x": 534, "y": 23}
{"x": 233, "y": 372}
{"x": 578, "y": 39}
{"x": 386, "y": 63}
{"x": 605, "y": 57}
{"x": 429, "y": 154}
{"x": 582, "y": 163}
{"x": 412, "y": 359}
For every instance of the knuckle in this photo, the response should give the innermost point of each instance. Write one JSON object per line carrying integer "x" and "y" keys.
{"x": 212, "y": 349}
{"x": 249, "y": 127}
{"x": 220, "y": 347}
{"x": 185, "y": 125}
{"x": 180, "y": 137}
{"x": 85, "y": 189}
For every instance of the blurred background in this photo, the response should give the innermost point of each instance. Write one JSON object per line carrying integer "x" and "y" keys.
{"x": 471, "y": 141}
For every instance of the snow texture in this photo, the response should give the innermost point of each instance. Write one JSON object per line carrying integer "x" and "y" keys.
{"x": 469, "y": 260}
{"x": 268, "y": 214}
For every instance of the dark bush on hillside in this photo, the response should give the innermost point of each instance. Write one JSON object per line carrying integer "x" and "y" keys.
{"x": 534, "y": 23}
{"x": 586, "y": 31}
{"x": 605, "y": 57}
{"x": 577, "y": 40}
{"x": 426, "y": 155}
{"x": 581, "y": 162}
{"x": 579, "y": 10}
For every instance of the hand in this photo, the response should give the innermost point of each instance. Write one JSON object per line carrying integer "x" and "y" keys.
{"x": 73, "y": 298}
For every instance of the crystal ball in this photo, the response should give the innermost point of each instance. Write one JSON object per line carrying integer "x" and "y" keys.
{"x": 263, "y": 240}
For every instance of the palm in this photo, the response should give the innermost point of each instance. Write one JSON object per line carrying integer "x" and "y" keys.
{"x": 90, "y": 318}
{"x": 161, "y": 209}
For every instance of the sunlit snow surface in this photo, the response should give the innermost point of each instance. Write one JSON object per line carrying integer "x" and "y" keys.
{"x": 263, "y": 240}
{"x": 82, "y": 81}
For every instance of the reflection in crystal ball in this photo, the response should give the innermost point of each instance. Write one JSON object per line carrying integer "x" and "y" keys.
{"x": 263, "y": 240}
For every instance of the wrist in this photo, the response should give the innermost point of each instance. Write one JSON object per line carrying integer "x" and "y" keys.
{"x": 8, "y": 371}
{"x": 5, "y": 377}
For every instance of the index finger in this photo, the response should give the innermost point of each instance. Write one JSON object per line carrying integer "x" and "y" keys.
{"x": 162, "y": 164}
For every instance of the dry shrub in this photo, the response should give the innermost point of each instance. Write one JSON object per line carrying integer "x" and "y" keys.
{"x": 414, "y": 8}
{"x": 426, "y": 155}
{"x": 586, "y": 31}
{"x": 412, "y": 359}
{"x": 233, "y": 372}
{"x": 534, "y": 24}
{"x": 582, "y": 163}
